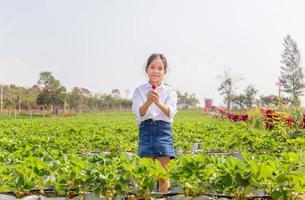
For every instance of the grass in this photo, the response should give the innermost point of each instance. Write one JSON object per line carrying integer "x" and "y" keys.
{"x": 19, "y": 116}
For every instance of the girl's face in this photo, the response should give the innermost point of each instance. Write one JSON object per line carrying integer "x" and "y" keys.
{"x": 156, "y": 71}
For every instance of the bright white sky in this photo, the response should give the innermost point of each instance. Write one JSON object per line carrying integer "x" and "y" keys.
{"x": 104, "y": 44}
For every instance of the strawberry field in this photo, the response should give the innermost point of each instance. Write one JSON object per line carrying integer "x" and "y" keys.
{"x": 97, "y": 153}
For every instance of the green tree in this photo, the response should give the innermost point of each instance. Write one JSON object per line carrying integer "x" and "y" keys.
{"x": 93, "y": 102}
{"x": 125, "y": 103}
{"x": 227, "y": 87}
{"x": 78, "y": 98}
{"x": 106, "y": 101}
{"x": 250, "y": 96}
{"x": 239, "y": 100}
{"x": 247, "y": 99}
{"x": 273, "y": 101}
{"x": 186, "y": 100}
{"x": 53, "y": 93}
{"x": 116, "y": 93}
{"x": 29, "y": 97}
{"x": 291, "y": 71}
{"x": 11, "y": 96}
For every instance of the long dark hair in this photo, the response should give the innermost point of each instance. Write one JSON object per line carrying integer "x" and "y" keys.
{"x": 154, "y": 56}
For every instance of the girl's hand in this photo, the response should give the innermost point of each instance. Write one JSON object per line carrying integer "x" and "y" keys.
{"x": 153, "y": 96}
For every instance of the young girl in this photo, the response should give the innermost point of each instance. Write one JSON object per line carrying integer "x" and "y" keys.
{"x": 155, "y": 105}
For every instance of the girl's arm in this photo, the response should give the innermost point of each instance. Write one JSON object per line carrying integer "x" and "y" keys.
{"x": 165, "y": 109}
{"x": 137, "y": 103}
{"x": 169, "y": 107}
{"x": 151, "y": 97}
{"x": 144, "y": 107}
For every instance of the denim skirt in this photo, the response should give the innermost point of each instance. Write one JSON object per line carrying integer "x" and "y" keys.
{"x": 156, "y": 139}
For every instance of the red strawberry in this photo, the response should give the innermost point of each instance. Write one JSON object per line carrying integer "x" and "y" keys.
{"x": 154, "y": 86}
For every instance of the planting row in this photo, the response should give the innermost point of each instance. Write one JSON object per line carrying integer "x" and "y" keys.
{"x": 116, "y": 174}
{"x": 118, "y": 132}
{"x": 65, "y": 156}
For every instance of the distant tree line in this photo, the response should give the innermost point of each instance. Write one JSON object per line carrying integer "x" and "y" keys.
{"x": 49, "y": 94}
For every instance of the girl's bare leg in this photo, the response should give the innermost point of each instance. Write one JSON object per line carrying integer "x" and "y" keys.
{"x": 164, "y": 183}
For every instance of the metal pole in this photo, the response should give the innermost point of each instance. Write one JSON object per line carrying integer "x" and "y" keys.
{"x": 19, "y": 100}
{"x": 1, "y": 98}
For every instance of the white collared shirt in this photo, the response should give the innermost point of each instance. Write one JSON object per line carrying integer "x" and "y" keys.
{"x": 168, "y": 96}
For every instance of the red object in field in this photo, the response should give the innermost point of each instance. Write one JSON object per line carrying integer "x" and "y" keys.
{"x": 236, "y": 117}
{"x": 154, "y": 86}
{"x": 208, "y": 105}
{"x": 271, "y": 117}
